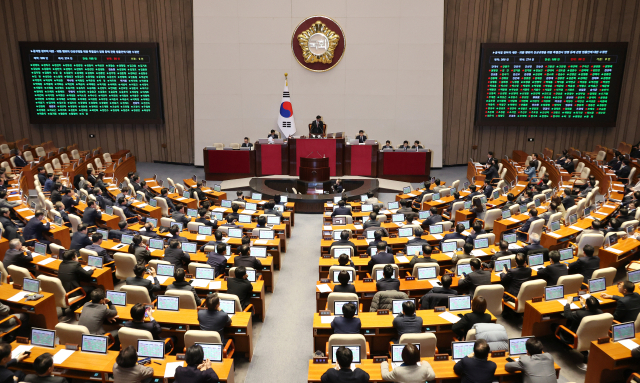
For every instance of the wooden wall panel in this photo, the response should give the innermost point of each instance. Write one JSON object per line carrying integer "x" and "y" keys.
{"x": 471, "y": 22}
{"x": 167, "y": 22}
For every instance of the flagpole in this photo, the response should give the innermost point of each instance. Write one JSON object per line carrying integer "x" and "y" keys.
{"x": 286, "y": 82}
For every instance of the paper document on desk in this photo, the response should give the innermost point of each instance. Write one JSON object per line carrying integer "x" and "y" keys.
{"x": 385, "y": 212}
{"x": 23, "y": 209}
{"x": 181, "y": 198}
{"x": 29, "y": 217}
{"x": 402, "y": 259}
{"x": 537, "y": 268}
{"x": 327, "y": 227}
{"x": 437, "y": 236}
{"x": 61, "y": 356}
{"x": 215, "y": 285}
{"x": 329, "y": 205}
{"x": 411, "y": 194}
{"x": 465, "y": 233}
{"x": 203, "y": 283}
{"x": 18, "y": 296}
{"x": 590, "y": 217}
{"x": 435, "y": 282}
{"x": 440, "y": 201}
{"x": 324, "y": 288}
{"x": 513, "y": 220}
{"x": 629, "y": 343}
{"x": 478, "y": 253}
{"x": 450, "y": 254}
{"x": 611, "y": 206}
{"x": 46, "y": 261}
{"x": 141, "y": 205}
{"x": 161, "y": 278}
{"x": 327, "y": 213}
{"x": 599, "y": 213}
{"x": 87, "y": 268}
{"x": 19, "y": 350}
{"x": 261, "y": 242}
{"x": 170, "y": 369}
{"x": 514, "y": 246}
{"x": 358, "y": 227}
{"x": 200, "y": 237}
{"x": 220, "y": 209}
{"x": 449, "y": 317}
{"x": 554, "y": 235}
{"x": 575, "y": 228}
{"x": 326, "y": 319}
{"x": 572, "y": 306}
{"x": 614, "y": 250}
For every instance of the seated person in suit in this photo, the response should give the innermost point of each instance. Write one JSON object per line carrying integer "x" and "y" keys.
{"x": 97, "y": 312}
{"x": 596, "y": 228}
{"x": 372, "y": 221}
{"x": 361, "y": 137}
{"x": 217, "y": 260}
{"x": 568, "y": 200}
{"x": 48, "y": 185}
{"x": 589, "y": 187}
{"x": 446, "y": 281}
{"x": 536, "y": 366}
{"x": 198, "y": 370}
{"x": 512, "y": 279}
{"x": 341, "y": 209}
{"x": 531, "y": 170}
{"x": 218, "y": 240}
{"x": 628, "y": 305}
{"x": 478, "y": 314}
{"x": 476, "y": 368}
{"x": 43, "y": 368}
{"x": 17, "y": 255}
{"x": 533, "y": 216}
{"x": 164, "y": 193}
{"x": 233, "y": 216}
{"x": 553, "y": 209}
{"x": 407, "y": 322}
{"x": 347, "y": 323}
{"x": 6, "y": 361}
{"x": 147, "y": 231}
{"x": 457, "y": 234}
{"x": 554, "y": 270}
{"x": 432, "y": 219}
{"x": 344, "y": 260}
{"x": 131, "y": 216}
{"x": 69, "y": 200}
{"x": 80, "y": 239}
{"x": 140, "y": 280}
{"x": 466, "y": 253}
{"x": 91, "y": 215}
{"x": 213, "y": 319}
{"x": 239, "y": 196}
{"x": 269, "y": 208}
{"x": 122, "y": 229}
{"x": 174, "y": 254}
{"x": 179, "y": 215}
{"x": 417, "y": 240}
{"x": 503, "y": 246}
{"x": 246, "y": 260}
{"x": 410, "y": 370}
{"x": 590, "y": 306}
{"x": 139, "y": 250}
{"x": 344, "y": 241}
{"x": 96, "y": 241}
{"x": 71, "y": 273}
{"x": 35, "y": 229}
{"x": 381, "y": 257}
{"x": 59, "y": 207}
{"x": 614, "y": 226}
{"x": 586, "y": 264}
{"x": 526, "y": 197}
{"x": 337, "y": 187}
{"x": 624, "y": 171}
{"x": 416, "y": 145}
{"x": 405, "y": 207}
{"x": 246, "y": 143}
{"x": 144, "y": 188}
{"x": 344, "y": 286}
{"x": 342, "y": 371}
{"x": 476, "y": 230}
{"x": 273, "y": 134}
{"x": 174, "y": 230}
{"x": 240, "y": 286}
{"x": 624, "y": 215}
{"x": 19, "y": 159}
{"x": 478, "y": 209}
{"x": 181, "y": 284}
{"x": 427, "y": 250}
{"x": 534, "y": 246}
{"x": 511, "y": 200}
{"x": 127, "y": 369}
{"x": 135, "y": 181}
{"x": 477, "y": 277}
{"x": 317, "y": 127}
{"x": 138, "y": 320}
{"x": 387, "y": 145}
{"x": 474, "y": 192}
{"x": 388, "y": 282}
{"x": 488, "y": 188}
{"x": 404, "y": 146}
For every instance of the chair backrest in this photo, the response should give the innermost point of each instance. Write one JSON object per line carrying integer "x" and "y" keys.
{"x": 493, "y": 295}
{"x": 154, "y": 263}
{"x": 633, "y": 223}
{"x": 232, "y": 271}
{"x": 54, "y": 286}
{"x": 427, "y": 197}
{"x": 608, "y": 273}
{"x": 40, "y": 151}
{"x": 601, "y": 155}
{"x": 515, "y": 209}
{"x": 137, "y": 294}
{"x": 446, "y": 225}
{"x": 98, "y": 162}
{"x": 141, "y": 196}
{"x": 455, "y": 184}
{"x": 28, "y": 156}
{"x": 48, "y": 168}
{"x": 18, "y": 274}
{"x": 162, "y": 204}
{"x": 187, "y": 300}
{"x": 555, "y": 217}
{"x": 528, "y": 290}
{"x": 193, "y": 226}
{"x": 592, "y": 328}
{"x": 490, "y": 236}
{"x": 125, "y": 263}
{"x": 218, "y": 146}
{"x": 4, "y": 148}
{"x": 490, "y": 217}
{"x": 129, "y": 337}
{"x": 180, "y": 189}
{"x": 579, "y": 168}
{"x": 349, "y": 340}
{"x": 382, "y": 217}
{"x": 504, "y": 173}
{"x": 427, "y": 341}
{"x": 459, "y": 242}
{"x": 536, "y": 226}
{"x": 572, "y": 210}
{"x": 194, "y": 265}
{"x": 455, "y": 207}
{"x": 3, "y": 273}
{"x": 595, "y": 240}
{"x": 85, "y": 253}
{"x": 70, "y": 333}
{"x": 107, "y": 157}
{"x": 232, "y": 297}
{"x": 414, "y": 272}
{"x": 75, "y": 154}
{"x": 234, "y": 145}
{"x": 75, "y": 221}
{"x": 118, "y": 212}
{"x": 341, "y": 268}
{"x": 200, "y": 336}
{"x": 167, "y": 222}
{"x": 65, "y": 158}
{"x": 572, "y": 283}
{"x": 170, "y": 181}
{"x": 377, "y": 267}
{"x": 332, "y": 297}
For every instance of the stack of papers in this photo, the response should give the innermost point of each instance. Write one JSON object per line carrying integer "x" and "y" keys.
{"x": 614, "y": 250}
{"x": 261, "y": 242}
{"x": 324, "y": 288}
{"x": 326, "y": 319}
{"x": 575, "y": 228}
{"x": 19, "y": 350}
{"x": 46, "y": 261}
{"x": 220, "y": 209}
{"x": 181, "y": 198}
{"x": 435, "y": 282}
{"x": 358, "y": 227}
{"x": 141, "y": 205}
{"x": 61, "y": 356}
{"x": 23, "y": 209}
{"x": 411, "y": 194}
{"x": 18, "y": 296}
{"x": 200, "y": 237}
{"x": 202, "y": 283}
{"x": 450, "y": 255}
{"x": 170, "y": 369}
{"x": 437, "y": 236}
{"x": 554, "y": 235}
{"x": 513, "y": 219}
{"x": 478, "y": 253}
{"x": 402, "y": 259}
{"x": 629, "y": 343}
{"x": 161, "y": 278}
{"x": 514, "y": 246}
{"x": 249, "y": 212}
{"x": 564, "y": 302}
{"x": 215, "y": 285}
{"x": 325, "y": 227}
{"x": 449, "y": 317}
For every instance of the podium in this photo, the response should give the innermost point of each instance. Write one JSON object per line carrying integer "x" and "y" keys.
{"x": 315, "y": 175}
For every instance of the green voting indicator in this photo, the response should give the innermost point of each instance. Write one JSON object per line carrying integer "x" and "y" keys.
{"x": 550, "y": 84}
{"x": 92, "y": 82}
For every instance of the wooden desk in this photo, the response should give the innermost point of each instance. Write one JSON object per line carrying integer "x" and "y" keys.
{"x": 240, "y": 330}
{"x": 606, "y": 361}
{"x": 57, "y": 234}
{"x": 228, "y": 164}
{"x": 361, "y": 160}
{"x": 620, "y": 253}
{"x": 110, "y": 221}
{"x": 272, "y": 159}
{"x": 560, "y": 238}
{"x": 100, "y": 277}
{"x": 404, "y": 166}
{"x": 42, "y": 312}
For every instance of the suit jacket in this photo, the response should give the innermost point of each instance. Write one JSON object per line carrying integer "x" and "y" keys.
{"x": 204, "y": 221}
{"x": 474, "y": 370}
{"x": 344, "y": 243}
{"x": 20, "y": 162}
{"x": 133, "y": 374}
{"x": 192, "y": 374}
{"x": 475, "y": 279}
{"x": 34, "y": 229}
{"x": 342, "y": 325}
{"x": 69, "y": 202}
{"x": 472, "y": 236}
{"x": 567, "y": 202}
{"x": 537, "y": 368}
{"x": 211, "y": 320}
{"x": 470, "y": 196}
{"x": 152, "y": 326}
{"x": 361, "y": 139}
{"x": 385, "y": 284}
{"x": 344, "y": 376}
{"x": 627, "y": 308}
{"x": 79, "y": 241}
{"x": 407, "y": 324}
{"x": 415, "y": 260}
{"x": 176, "y": 257}
{"x": 247, "y": 261}
{"x": 454, "y": 235}
{"x": 381, "y": 259}
{"x": 527, "y": 224}
{"x": 317, "y": 127}
{"x": 64, "y": 215}
{"x": 33, "y": 378}
{"x": 94, "y": 314}
{"x": 491, "y": 173}
{"x": 185, "y": 286}
{"x": 552, "y": 272}
{"x": 569, "y": 166}
{"x": 432, "y": 220}
{"x": 7, "y": 204}
{"x": 150, "y": 286}
{"x": 514, "y": 278}
{"x": 574, "y": 317}
{"x": 623, "y": 172}
{"x": 585, "y": 266}
{"x": 136, "y": 186}
{"x": 17, "y": 257}
{"x": 101, "y": 252}
{"x": 242, "y": 288}
{"x": 71, "y": 273}
{"x": 341, "y": 211}
{"x": 48, "y": 185}
{"x": 371, "y": 223}
{"x": 467, "y": 321}
{"x": 217, "y": 262}
{"x": 91, "y": 216}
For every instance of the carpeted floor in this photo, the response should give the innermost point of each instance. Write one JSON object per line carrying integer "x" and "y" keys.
{"x": 284, "y": 341}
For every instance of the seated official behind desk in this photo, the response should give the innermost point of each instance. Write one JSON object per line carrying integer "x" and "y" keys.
{"x": 554, "y": 270}
{"x": 43, "y": 367}
{"x": 17, "y": 255}
{"x": 127, "y": 370}
{"x": 407, "y": 322}
{"x": 71, "y": 273}
{"x": 627, "y": 305}
{"x": 198, "y": 370}
{"x": 347, "y": 323}
{"x": 427, "y": 250}
{"x": 477, "y": 277}
{"x": 344, "y": 286}
{"x": 181, "y": 284}
{"x": 139, "y": 279}
{"x": 476, "y": 368}
{"x": 478, "y": 314}
{"x": 240, "y": 286}
{"x": 342, "y": 371}
{"x": 213, "y": 319}
{"x": 536, "y": 366}
{"x": 585, "y": 265}
{"x": 388, "y": 282}
{"x": 317, "y": 127}
{"x": 409, "y": 370}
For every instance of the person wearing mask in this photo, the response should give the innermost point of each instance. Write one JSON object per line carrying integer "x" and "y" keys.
{"x": 586, "y": 264}
{"x": 344, "y": 286}
{"x": 407, "y": 322}
{"x": 80, "y": 239}
{"x": 344, "y": 241}
{"x": 409, "y": 370}
{"x": 476, "y": 368}
{"x": 96, "y": 312}
{"x": 381, "y": 257}
{"x": 388, "y": 282}
{"x": 478, "y": 314}
{"x": 512, "y": 279}
{"x": 477, "y": 277}
{"x": 457, "y": 234}
{"x": 536, "y": 366}
{"x": 342, "y": 371}
{"x": 71, "y": 273}
{"x": 213, "y": 318}
{"x": 427, "y": 250}
{"x": 181, "y": 284}
{"x": 240, "y": 286}
{"x": 347, "y": 323}
{"x": 140, "y": 280}
{"x": 17, "y": 255}
{"x": 628, "y": 305}
{"x": 127, "y": 370}
{"x": 174, "y": 254}
{"x": 554, "y": 270}
{"x": 217, "y": 260}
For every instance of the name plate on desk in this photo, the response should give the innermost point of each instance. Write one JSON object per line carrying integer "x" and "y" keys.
{"x": 364, "y": 256}
{"x": 410, "y": 278}
{"x": 380, "y": 359}
{"x": 326, "y": 255}
{"x": 498, "y": 354}
{"x": 437, "y": 357}
{"x": 71, "y": 346}
{"x": 22, "y": 340}
{"x": 325, "y": 280}
{"x": 536, "y": 299}
{"x": 324, "y": 313}
{"x": 603, "y": 340}
{"x": 17, "y": 286}
{"x": 383, "y": 311}
{"x": 320, "y": 360}
{"x": 365, "y": 280}
{"x": 439, "y": 309}
{"x": 180, "y": 357}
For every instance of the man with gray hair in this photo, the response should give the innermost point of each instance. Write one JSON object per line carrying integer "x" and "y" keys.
{"x": 17, "y": 255}
{"x": 534, "y": 239}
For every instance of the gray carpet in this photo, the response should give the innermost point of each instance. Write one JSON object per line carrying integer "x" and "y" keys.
{"x": 287, "y": 342}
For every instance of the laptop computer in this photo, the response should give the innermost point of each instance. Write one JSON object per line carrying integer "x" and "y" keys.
{"x": 510, "y": 238}
{"x": 499, "y": 265}
{"x": 393, "y": 205}
{"x": 460, "y": 302}
{"x": 597, "y": 284}
{"x": 212, "y": 351}
{"x": 244, "y": 218}
{"x": 396, "y": 353}
{"x": 466, "y": 224}
{"x": 151, "y": 349}
{"x": 193, "y": 213}
{"x": 267, "y": 234}
{"x": 536, "y": 261}
{"x": 118, "y": 298}
{"x": 449, "y": 247}
{"x": 205, "y": 230}
{"x": 31, "y": 285}
{"x": 273, "y": 220}
{"x": 435, "y": 229}
{"x": 152, "y": 221}
{"x": 235, "y": 233}
{"x": 462, "y": 269}
{"x": 506, "y": 214}
{"x": 481, "y": 243}
{"x": 566, "y": 254}
{"x": 461, "y": 349}
{"x": 367, "y": 207}
{"x": 337, "y": 272}
{"x": 380, "y": 274}
{"x": 259, "y": 251}
{"x": 427, "y": 273}
{"x": 424, "y": 214}
{"x": 517, "y": 346}
{"x": 165, "y": 270}
{"x": 634, "y": 276}
{"x": 623, "y": 331}
{"x": 413, "y": 249}
{"x": 405, "y": 232}
{"x": 40, "y": 248}
{"x": 397, "y": 218}
{"x": 156, "y": 244}
{"x": 337, "y": 252}
{"x": 225, "y": 203}
{"x": 126, "y": 239}
{"x": 168, "y": 303}
{"x": 189, "y": 247}
{"x": 396, "y": 305}
{"x": 554, "y": 225}
{"x": 256, "y": 196}
{"x": 96, "y": 344}
{"x": 337, "y": 307}
{"x": 95, "y": 261}
{"x": 43, "y": 338}
{"x": 355, "y": 350}
{"x": 228, "y": 306}
{"x": 552, "y": 293}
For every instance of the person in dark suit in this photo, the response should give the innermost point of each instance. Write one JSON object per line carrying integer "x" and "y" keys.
{"x": 478, "y": 314}
{"x": 35, "y": 229}
{"x": 491, "y": 159}
{"x": 181, "y": 284}
{"x": 139, "y": 250}
{"x": 140, "y": 280}
{"x": 269, "y": 208}
{"x": 474, "y": 192}
{"x": 476, "y": 368}
{"x": 344, "y": 241}
{"x": 614, "y": 226}
{"x": 337, "y": 187}
{"x": 568, "y": 200}
{"x": 131, "y": 216}
{"x": 417, "y": 240}
{"x": 427, "y": 250}
{"x": 217, "y": 260}
{"x": 433, "y": 218}
{"x": 555, "y": 269}
{"x": 526, "y": 197}
{"x": 146, "y": 191}
{"x": 59, "y": 207}
{"x": 202, "y": 213}
{"x": 17, "y": 255}
{"x": 137, "y": 321}
{"x": 174, "y": 254}
{"x": 344, "y": 286}
{"x": 117, "y": 234}
{"x": 342, "y": 372}
{"x": 491, "y": 173}
{"x": 148, "y": 231}
{"x": 624, "y": 171}
{"x": 179, "y": 215}
{"x": 361, "y": 137}
{"x": 585, "y": 265}
{"x": 381, "y": 257}
{"x": 511, "y": 200}
{"x": 240, "y": 286}
{"x": 164, "y": 193}
{"x": 569, "y": 166}
{"x": 213, "y": 319}
{"x": 43, "y": 367}
{"x": 6, "y": 361}
{"x": 416, "y": 145}
{"x": 535, "y": 246}
{"x": 48, "y": 184}
{"x": 198, "y": 370}
{"x": 446, "y": 282}
{"x": 387, "y": 282}
{"x": 42, "y": 175}
{"x": 407, "y": 322}
{"x": 503, "y": 246}
{"x": 96, "y": 241}
{"x": 477, "y": 277}
{"x": 246, "y": 143}
{"x": 80, "y": 238}
{"x": 533, "y": 215}
{"x": 347, "y": 324}
{"x": 628, "y": 305}
{"x": 476, "y": 230}
{"x": 19, "y": 159}
{"x": 372, "y": 222}
{"x": 590, "y": 306}
{"x": 624, "y": 215}
{"x": 317, "y": 127}
{"x": 218, "y": 240}
{"x": 69, "y": 200}
{"x": 456, "y": 235}
{"x": 273, "y": 134}
{"x": 341, "y": 209}
{"x": 91, "y": 178}
{"x": 71, "y": 273}
{"x": 174, "y": 230}
{"x": 246, "y": 260}
{"x": 91, "y": 215}
{"x": 101, "y": 200}
{"x": 512, "y": 279}
{"x": 233, "y": 216}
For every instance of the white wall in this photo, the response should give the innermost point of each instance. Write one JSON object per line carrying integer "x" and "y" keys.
{"x": 389, "y": 81}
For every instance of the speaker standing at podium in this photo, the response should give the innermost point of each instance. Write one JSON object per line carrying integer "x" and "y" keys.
{"x": 317, "y": 127}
